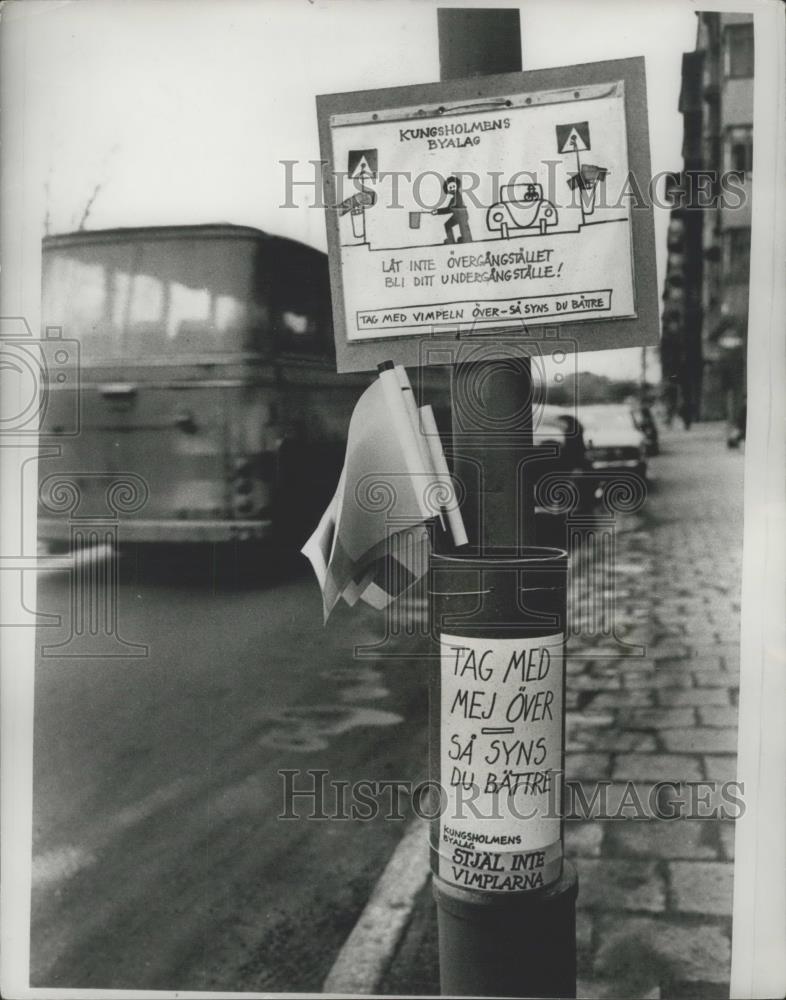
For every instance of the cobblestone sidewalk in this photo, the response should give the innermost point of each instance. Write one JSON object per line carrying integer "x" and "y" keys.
{"x": 655, "y": 895}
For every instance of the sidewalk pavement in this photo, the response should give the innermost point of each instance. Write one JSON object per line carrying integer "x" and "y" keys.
{"x": 654, "y": 909}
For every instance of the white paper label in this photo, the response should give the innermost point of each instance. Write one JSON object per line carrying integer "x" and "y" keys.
{"x": 500, "y": 762}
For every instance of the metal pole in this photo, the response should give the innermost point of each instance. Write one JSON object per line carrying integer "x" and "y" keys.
{"x": 488, "y": 395}
{"x": 517, "y": 941}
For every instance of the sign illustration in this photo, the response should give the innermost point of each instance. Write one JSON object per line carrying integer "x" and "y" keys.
{"x": 362, "y": 168}
{"x": 573, "y": 138}
{"x": 456, "y": 212}
{"x": 500, "y": 206}
{"x": 494, "y": 227}
{"x": 362, "y": 163}
{"x": 521, "y": 206}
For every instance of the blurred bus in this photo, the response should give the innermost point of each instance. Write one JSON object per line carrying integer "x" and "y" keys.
{"x": 207, "y": 368}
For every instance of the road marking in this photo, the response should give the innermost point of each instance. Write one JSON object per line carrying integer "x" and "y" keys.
{"x": 59, "y": 864}
{"x": 366, "y": 954}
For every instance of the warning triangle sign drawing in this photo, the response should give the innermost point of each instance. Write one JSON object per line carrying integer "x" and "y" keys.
{"x": 362, "y": 163}
{"x": 574, "y": 137}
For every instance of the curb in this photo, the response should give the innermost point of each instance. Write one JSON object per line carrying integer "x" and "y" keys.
{"x": 367, "y": 952}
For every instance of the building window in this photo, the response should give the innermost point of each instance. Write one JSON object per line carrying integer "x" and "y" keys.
{"x": 739, "y": 150}
{"x": 739, "y": 50}
{"x": 737, "y": 247}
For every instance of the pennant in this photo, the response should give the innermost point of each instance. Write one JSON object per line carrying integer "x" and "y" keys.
{"x": 372, "y": 543}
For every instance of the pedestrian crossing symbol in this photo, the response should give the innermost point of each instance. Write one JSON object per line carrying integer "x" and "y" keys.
{"x": 574, "y": 137}
{"x": 362, "y": 163}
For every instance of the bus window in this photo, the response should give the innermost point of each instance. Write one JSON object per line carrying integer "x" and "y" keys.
{"x": 186, "y": 305}
{"x": 85, "y": 290}
{"x": 120, "y": 285}
{"x": 231, "y": 314}
{"x": 300, "y": 301}
{"x": 156, "y": 297}
{"x": 193, "y": 296}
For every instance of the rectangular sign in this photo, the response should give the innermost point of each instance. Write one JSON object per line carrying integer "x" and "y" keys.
{"x": 497, "y": 205}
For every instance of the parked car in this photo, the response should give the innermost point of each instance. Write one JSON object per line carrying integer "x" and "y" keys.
{"x": 521, "y": 206}
{"x": 613, "y": 441}
{"x": 561, "y": 434}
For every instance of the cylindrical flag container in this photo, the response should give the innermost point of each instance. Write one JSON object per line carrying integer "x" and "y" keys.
{"x": 497, "y": 725}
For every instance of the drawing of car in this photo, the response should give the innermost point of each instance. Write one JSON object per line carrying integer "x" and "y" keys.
{"x": 521, "y": 206}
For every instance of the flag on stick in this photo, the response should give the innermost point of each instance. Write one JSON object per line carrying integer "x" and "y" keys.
{"x": 372, "y": 543}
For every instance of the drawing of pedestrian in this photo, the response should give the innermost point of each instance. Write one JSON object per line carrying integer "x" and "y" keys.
{"x": 362, "y": 169}
{"x": 456, "y": 213}
{"x": 357, "y": 205}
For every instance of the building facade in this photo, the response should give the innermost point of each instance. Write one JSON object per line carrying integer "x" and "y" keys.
{"x": 705, "y": 298}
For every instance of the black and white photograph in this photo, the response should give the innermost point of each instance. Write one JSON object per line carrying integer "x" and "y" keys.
{"x": 393, "y": 525}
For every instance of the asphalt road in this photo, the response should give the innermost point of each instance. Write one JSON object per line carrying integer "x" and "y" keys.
{"x": 159, "y": 860}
